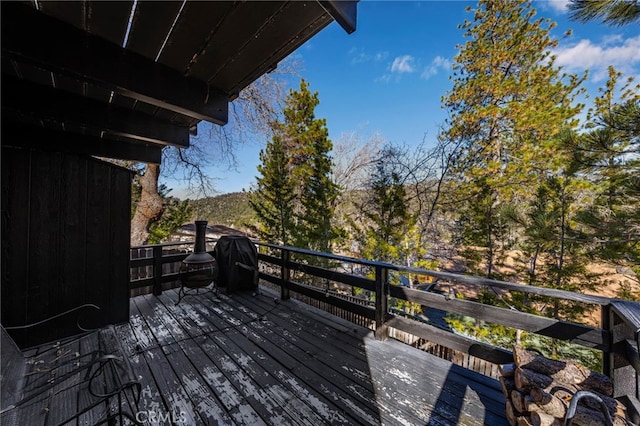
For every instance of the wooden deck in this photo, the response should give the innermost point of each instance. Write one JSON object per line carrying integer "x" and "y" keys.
{"x": 253, "y": 359}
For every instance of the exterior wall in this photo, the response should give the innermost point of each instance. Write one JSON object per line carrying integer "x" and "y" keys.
{"x": 65, "y": 242}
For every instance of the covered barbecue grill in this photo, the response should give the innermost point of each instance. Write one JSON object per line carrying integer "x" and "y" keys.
{"x": 237, "y": 260}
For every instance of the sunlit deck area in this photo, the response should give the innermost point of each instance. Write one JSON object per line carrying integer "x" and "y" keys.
{"x": 253, "y": 359}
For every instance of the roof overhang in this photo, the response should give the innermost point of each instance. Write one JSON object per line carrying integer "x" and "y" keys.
{"x": 141, "y": 75}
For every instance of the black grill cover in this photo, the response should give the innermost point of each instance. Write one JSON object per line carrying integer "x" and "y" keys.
{"x": 237, "y": 259}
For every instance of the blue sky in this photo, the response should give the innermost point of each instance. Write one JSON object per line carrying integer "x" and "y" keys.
{"x": 388, "y": 77}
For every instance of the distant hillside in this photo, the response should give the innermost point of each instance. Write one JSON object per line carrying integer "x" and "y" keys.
{"x": 228, "y": 209}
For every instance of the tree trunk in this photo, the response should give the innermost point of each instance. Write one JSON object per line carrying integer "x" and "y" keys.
{"x": 490, "y": 242}
{"x": 150, "y": 206}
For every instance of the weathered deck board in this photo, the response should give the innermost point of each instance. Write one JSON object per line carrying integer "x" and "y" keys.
{"x": 407, "y": 394}
{"x": 150, "y": 400}
{"x": 265, "y": 392}
{"x": 249, "y": 410}
{"x": 191, "y": 393}
{"x": 212, "y": 309}
{"x": 305, "y": 365}
{"x": 252, "y": 359}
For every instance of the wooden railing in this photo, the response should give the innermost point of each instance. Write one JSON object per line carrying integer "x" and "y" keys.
{"x": 362, "y": 288}
{"x": 157, "y": 266}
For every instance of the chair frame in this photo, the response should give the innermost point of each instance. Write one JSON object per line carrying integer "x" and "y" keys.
{"x": 104, "y": 372}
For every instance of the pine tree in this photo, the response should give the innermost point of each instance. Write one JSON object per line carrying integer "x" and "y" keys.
{"x": 295, "y": 197}
{"x": 482, "y": 228}
{"x": 609, "y": 154}
{"x": 551, "y": 243}
{"x": 386, "y": 209}
{"x": 612, "y": 12}
{"x": 508, "y": 105}
{"x": 318, "y": 198}
{"x": 272, "y": 200}
{"x": 307, "y": 143}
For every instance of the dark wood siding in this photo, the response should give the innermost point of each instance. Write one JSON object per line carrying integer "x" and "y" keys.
{"x": 65, "y": 241}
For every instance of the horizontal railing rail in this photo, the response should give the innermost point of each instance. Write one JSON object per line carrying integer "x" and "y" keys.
{"x": 153, "y": 266}
{"x": 617, "y": 337}
{"x": 584, "y": 335}
{"x": 365, "y": 293}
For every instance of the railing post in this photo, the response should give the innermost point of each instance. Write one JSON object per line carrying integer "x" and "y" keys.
{"x": 157, "y": 270}
{"x": 285, "y": 274}
{"x": 382, "y": 292}
{"x": 624, "y": 325}
{"x": 606, "y": 323}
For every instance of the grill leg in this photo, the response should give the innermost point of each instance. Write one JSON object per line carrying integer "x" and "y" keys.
{"x": 181, "y": 294}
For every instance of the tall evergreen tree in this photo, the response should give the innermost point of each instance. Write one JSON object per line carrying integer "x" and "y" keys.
{"x": 272, "y": 200}
{"x": 482, "y": 228}
{"x": 295, "y": 198}
{"x": 550, "y": 242}
{"x": 317, "y": 199}
{"x": 608, "y": 152}
{"x": 507, "y": 106}
{"x": 252, "y": 112}
{"x": 306, "y": 141}
{"x": 387, "y": 214}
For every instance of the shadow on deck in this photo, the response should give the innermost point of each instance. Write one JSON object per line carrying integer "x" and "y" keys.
{"x": 253, "y": 359}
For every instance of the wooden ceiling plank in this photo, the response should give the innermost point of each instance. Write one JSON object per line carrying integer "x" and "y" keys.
{"x": 48, "y": 103}
{"x": 66, "y": 49}
{"x": 154, "y": 20}
{"x": 197, "y": 23}
{"x": 303, "y": 22}
{"x": 47, "y": 139}
{"x": 232, "y": 34}
{"x": 72, "y": 12}
{"x": 35, "y": 73}
{"x": 109, "y": 19}
{"x": 146, "y": 108}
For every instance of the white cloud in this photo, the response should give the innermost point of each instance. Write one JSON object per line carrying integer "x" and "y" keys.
{"x": 623, "y": 54}
{"x": 383, "y": 79}
{"x": 403, "y": 64}
{"x": 438, "y": 63}
{"x": 380, "y": 56}
{"x": 359, "y": 56}
{"x": 612, "y": 39}
{"x": 559, "y": 5}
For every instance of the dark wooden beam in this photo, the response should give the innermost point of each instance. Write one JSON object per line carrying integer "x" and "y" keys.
{"x": 62, "y": 48}
{"x": 17, "y": 135}
{"x": 20, "y": 97}
{"x": 344, "y": 13}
